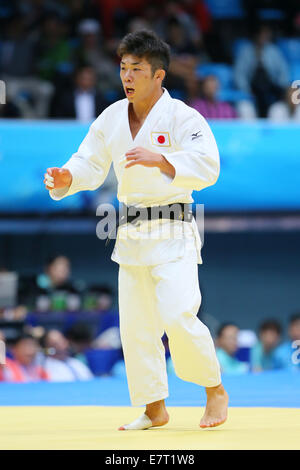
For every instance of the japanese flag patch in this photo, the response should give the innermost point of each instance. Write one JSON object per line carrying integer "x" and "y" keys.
{"x": 162, "y": 139}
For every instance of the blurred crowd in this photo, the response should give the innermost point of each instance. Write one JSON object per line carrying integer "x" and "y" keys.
{"x": 58, "y": 58}
{"x": 62, "y": 330}
{"x": 58, "y": 61}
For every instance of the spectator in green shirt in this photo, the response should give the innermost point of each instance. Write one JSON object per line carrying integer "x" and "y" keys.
{"x": 264, "y": 354}
{"x": 227, "y": 346}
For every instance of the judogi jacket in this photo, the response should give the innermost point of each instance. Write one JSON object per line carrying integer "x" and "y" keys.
{"x": 184, "y": 138}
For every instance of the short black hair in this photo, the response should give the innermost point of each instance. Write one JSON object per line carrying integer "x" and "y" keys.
{"x": 271, "y": 325}
{"x": 223, "y": 327}
{"x": 50, "y": 259}
{"x": 146, "y": 44}
{"x": 294, "y": 318}
{"x": 23, "y": 337}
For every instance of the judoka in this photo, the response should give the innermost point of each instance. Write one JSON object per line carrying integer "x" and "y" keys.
{"x": 161, "y": 150}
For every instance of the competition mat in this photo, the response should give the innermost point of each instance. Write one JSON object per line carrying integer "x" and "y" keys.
{"x": 264, "y": 413}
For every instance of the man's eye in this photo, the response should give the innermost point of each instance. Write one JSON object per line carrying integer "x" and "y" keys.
{"x": 136, "y": 69}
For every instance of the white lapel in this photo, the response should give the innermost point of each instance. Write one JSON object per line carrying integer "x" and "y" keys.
{"x": 153, "y": 116}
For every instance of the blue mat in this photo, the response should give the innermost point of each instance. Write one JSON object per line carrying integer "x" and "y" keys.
{"x": 269, "y": 389}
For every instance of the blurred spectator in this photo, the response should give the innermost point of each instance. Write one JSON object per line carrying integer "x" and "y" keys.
{"x": 83, "y": 102}
{"x": 209, "y": 105}
{"x": 287, "y": 109}
{"x": 261, "y": 69}
{"x": 263, "y": 354}
{"x": 18, "y": 50}
{"x": 105, "y": 298}
{"x": 60, "y": 366}
{"x": 174, "y": 16}
{"x": 18, "y": 55}
{"x": 92, "y": 51}
{"x": 2, "y": 338}
{"x": 9, "y": 110}
{"x": 108, "y": 339}
{"x": 178, "y": 39}
{"x": 57, "y": 274}
{"x": 184, "y": 58}
{"x": 10, "y": 308}
{"x": 282, "y": 13}
{"x": 24, "y": 367}
{"x": 80, "y": 338}
{"x": 54, "y": 54}
{"x": 34, "y": 11}
{"x": 100, "y": 299}
{"x": 226, "y": 348}
{"x": 288, "y": 350}
{"x": 53, "y": 289}
{"x": 78, "y": 10}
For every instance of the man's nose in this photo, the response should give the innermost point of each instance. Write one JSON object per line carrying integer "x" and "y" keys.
{"x": 128, "y": 76}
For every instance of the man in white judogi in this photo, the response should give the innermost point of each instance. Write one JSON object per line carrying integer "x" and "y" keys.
{"x": 161, "y": 151}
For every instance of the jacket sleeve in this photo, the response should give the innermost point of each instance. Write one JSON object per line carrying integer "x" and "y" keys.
{"x": 196, "y": 163}
{"x": 90, "y": 165}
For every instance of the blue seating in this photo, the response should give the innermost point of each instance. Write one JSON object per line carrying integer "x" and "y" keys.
{"x": 290, "y": 47}
{"x": 238, "y": 44}
{"x": 177, "y": 94}
{"x": 233, "y": 96}
{"x": 295, "y": 71}
{"x": 221, "y": 9}
{"x": 223, "y": 72}
{"x": 269, "y": 14}
{"x": 101, "y": 361}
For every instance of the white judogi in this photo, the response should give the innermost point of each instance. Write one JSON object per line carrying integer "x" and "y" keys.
{"x": 158, "y": 274}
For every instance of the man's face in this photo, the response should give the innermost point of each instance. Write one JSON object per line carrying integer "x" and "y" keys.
{"x": 137, "y": 79}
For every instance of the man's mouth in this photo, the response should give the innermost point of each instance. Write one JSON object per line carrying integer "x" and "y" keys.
{"x": 129, "y": 91}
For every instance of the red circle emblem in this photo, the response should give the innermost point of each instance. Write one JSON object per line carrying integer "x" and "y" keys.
{"x": 161, "y": 139}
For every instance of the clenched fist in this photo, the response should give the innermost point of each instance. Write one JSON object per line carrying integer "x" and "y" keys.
{"x": 57, "y": 178}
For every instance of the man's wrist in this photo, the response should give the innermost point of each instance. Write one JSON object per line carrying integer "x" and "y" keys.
{"x": 166, "y": 166}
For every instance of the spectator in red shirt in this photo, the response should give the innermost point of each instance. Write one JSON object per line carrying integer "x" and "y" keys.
{"x": 209, "y": 105}
{"x": 24, "y": 367}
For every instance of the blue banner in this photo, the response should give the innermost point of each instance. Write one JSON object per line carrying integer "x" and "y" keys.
{"x": 260, "y": 166}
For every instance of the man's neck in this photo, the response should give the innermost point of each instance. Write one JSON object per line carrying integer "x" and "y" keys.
{"x": 143, "y": 108}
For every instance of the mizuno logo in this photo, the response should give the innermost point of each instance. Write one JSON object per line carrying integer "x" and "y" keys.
{"x": 196, "y": 135}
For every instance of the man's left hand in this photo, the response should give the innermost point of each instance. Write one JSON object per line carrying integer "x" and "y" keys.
{"x": 141, "y": 156}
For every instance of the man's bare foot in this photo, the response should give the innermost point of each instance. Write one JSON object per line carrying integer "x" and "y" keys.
{"x": 157, "y": 414}
{"x": 216, "y": 407}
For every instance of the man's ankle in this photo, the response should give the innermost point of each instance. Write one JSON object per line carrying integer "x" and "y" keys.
{"x": 217, "y": 389}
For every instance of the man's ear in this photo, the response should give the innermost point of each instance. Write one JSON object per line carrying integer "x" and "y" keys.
{"x": 160, "y": 74}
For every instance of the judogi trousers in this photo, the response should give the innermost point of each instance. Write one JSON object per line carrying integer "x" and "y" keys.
{"x": 157, "y": 299}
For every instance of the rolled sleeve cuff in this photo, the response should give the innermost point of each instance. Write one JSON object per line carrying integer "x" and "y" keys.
{"x": 58, "y": 194}
{"x": 167, "y": 178}
{"x": 179, "y": 180}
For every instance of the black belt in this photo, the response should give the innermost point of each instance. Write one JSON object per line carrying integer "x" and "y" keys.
{"x": 176, "y": 211}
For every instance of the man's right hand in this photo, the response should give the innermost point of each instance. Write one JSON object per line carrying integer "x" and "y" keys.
{"x": 57, "y": 178}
